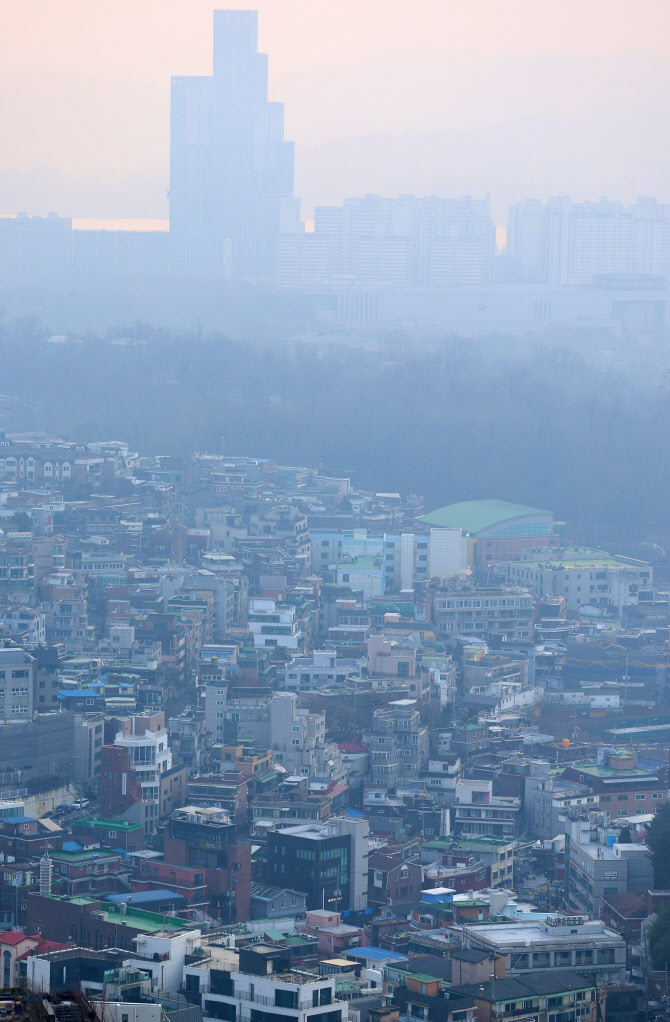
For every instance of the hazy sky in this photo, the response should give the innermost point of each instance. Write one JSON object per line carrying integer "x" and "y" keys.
{"x": 508, "y": 96}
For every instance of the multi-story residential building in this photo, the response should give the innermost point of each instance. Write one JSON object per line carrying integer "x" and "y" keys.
{"x": 401, "y": 242}
{"x": 327, "y": 861}
{"x": 17, "y": 570}
{"x": 46, "y": 672}
{"x": 391, "y": 658}
{"x": 86, "y": 872}
{"x": 597, "y": 867}
{"x": 274, "y": 624}
{"x": 17, "y": 682}
{"x": 108, "y": 569}
{"x": 186, "y": 881}
{"x": 557, "y": 944}
{"x": 87, "y": 752}
{"x": 121, "y": 791}
{"x": 621, "y": 787}
{"x": 228, "y": 791}
{"x": 477, "y": 812}
{"x": 407, "y": 558}
{"x": 167, "y": 630}
{"x": 223, "y": 577}
{"x": 583, "y": 577}
{"x": 26, "y": 625}
{"x": 204, "y": 837}
{"x": 224, "y": 525}
{"x": 441, "y": 670}
{"x": 483, "y": 612}
{"x": 296, "y": 803}
{"x": 298, "y": 739}
{"x": 189, "y": 740}
{"x": 442, "y": 774}
{"x": 67, "y": 617}
{"x": 138, "y": 781}
{"x": 569, "y": 243}
{"x": 533, "y": 998}
{"x": 260, "y": 980}
{"x": 548, "y": 798}
{"x": 289, "y": 527}
{"x": 398, "y": 742}
{"x": 392, "y": 880}
{"x": 322, "y": 669}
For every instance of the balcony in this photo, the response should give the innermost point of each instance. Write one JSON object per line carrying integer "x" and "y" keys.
{"x": 299, "y": 1004}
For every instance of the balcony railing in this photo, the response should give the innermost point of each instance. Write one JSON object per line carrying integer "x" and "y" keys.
{"x": 298, "y": 1005}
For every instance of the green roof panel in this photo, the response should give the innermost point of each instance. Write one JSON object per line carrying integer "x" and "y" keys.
{"x": 474, "y": 516}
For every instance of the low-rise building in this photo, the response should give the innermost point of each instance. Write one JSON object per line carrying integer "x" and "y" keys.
{"x": 558, "y": 943}
{"x": 601, "y": 867}
{"x": 274, "y": 624}
{"x": 539, "y": 997}
{"x": 477, "y": 812}
{"x": 260, "y": 981}
{"x": 269, "y": 901}
{"x": 323, "y": 668}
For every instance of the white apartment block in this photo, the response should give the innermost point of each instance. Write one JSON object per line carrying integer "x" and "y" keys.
{"x": 274, "y": 624}
{"x": 151, "y": 757}
{"x": 569, "y": 243}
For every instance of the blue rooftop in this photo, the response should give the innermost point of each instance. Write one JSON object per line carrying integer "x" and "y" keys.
{"x": 18, "y": 819}
{"x": 76, "y": 693}
{"x": 375, "y": 954}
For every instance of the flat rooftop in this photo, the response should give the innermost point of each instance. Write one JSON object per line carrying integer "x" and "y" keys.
{"x": 521, "y": 934}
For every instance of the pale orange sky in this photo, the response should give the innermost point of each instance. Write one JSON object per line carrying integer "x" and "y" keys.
{"x": 504, "y": 96}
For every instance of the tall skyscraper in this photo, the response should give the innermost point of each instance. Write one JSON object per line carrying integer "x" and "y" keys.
{"x": 231, "y": 171}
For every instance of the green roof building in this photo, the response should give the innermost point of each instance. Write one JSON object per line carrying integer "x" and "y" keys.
{"x": 498, "y": 530}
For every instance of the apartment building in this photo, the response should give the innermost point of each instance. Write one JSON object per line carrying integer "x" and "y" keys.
{"x": 477, "y": 812}
{"x": 328, "y": 861}
{"x": 261, "y": 981}
{"x": 273, "y": 624}
{"x": 483, "y": 612}
{"x": 597, "y": 866}
{"x": 558, "y": 943}
{"x": 322, "y": 669}
{"x": 402, "y": 559}
{"x": 620, "y": 785}
{"x": 583, "y": 577}
{"x": 17, "y": 681}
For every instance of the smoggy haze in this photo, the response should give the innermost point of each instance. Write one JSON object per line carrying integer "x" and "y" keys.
{"x": 440, "y": 97}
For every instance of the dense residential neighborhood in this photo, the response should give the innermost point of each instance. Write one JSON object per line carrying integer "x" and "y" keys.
{"x": 272, "y": 743}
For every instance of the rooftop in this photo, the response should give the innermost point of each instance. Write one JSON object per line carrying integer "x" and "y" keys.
{"x": 100, "y": 823}
{"x": 81, "y": 856}
{"x": 377, "y": 954}
{"x": 476, "y": 515}
{"x": 537, "y": 984}
{"x": 529, "y": 933}
{"x": 575, "y": 558}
